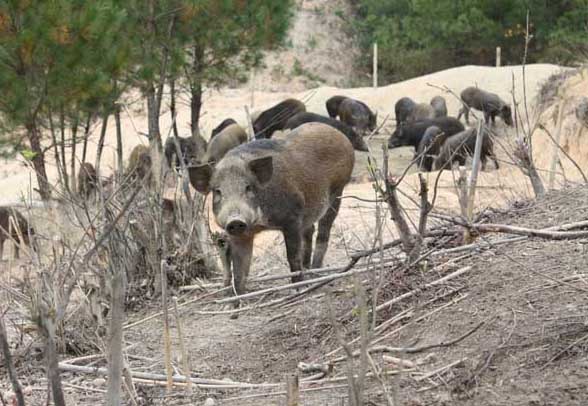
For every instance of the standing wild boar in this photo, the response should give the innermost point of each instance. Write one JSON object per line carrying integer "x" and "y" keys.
{"x": 429, "y": 147}
{"x": 190, "y": 147}
{"x": 402, "y": 109}
{"x": 275, "y": 118}
{"x": 87, "y": 180}
{"x": 439, "y": 106}
{"x": 285, "y": 185}
{"x": 227, "y": 139}
{"x": 303, "y": 118}
{"x": 412, "y": 134}
{"x": 224, "y": 124}
{"x": 9, "y": 232}
{"x": 139, "y": 166}
{"x": 461, "y": 145}
{"x": 333, "y": 104}
{"x": 420, "y": 112}
{"x": 357, "y": 115}
{"x": 488, "y": 103}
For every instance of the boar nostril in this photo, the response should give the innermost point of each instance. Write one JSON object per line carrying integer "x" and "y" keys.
{"x": 236, "y": 227}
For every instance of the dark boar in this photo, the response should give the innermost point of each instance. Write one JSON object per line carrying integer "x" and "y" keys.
{"x": 275, "y": 118}
{"x": 429, "y": 147}
{"x": 232, "y": 136}
{"x": 224, "y": 124}
{"x": 402, "y": 109}
{"x": 333, "y": 105}
{"x": 411, "y": 134}
{"x": 461, "y": 145}
{"x": 488, "y": 103}
{"x": 190, "y": 147}
{"x": 357, "y": 115}
{"x": 439, "y": 106}
{"x": 420, "y": 112}
{"x": 87, "y": 180}
{"x": 303, "y": 118}
{"x": 285, "y": 185}
{"x": 23, "y": 228}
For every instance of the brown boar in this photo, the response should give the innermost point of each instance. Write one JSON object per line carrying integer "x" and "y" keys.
{"x": 287, "y": 185}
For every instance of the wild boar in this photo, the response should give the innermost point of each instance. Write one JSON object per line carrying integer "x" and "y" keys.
{"x": 9, "y": 232}
{"x": 224, "y": 124}
{"x": 402, "y": 109}
{"x": 420, "y": 112}
{"x": 429, "y": 147}
{"x": 232, "y": 136}
{"x": 275, "y": 118}
{"x": 488, "y": 103}
{"x": 461, "y": 145}
{"x": 139, "y": 166}
{"x": 303, "y": 118}
{"x": 190, "y": 147}
{"x": 287, "y": 185}
{"x": 87, "y": 180}
{"x": 357, "y": 115}
{"x": 333, "y": 104}
{"x": 412, "y": 134}
{"x": 439, "y": 106}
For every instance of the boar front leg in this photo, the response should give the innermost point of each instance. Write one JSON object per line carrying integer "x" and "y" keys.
{"x": 294, "y": 245}
{"x": 241, "y": 251}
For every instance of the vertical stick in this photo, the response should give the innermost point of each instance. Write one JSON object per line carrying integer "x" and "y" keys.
{"x": 166, "y": 336}
{"x": 498, "y": 55}
{"x": 555, "y": 150}
{"x": 252, "y": 84}
{"x": 249, "y": 124}
{"x": 115, "y": 355}
{"x": 375, "y": 67}
{"x": 185, "y": 356}
{"x": 473, "y": 180}
{"x": 292, "y": 390}
{"x": 9, "y": 365}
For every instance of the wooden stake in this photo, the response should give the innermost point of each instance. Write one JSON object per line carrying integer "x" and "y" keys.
{"x": 249, "y": 124}
{"x": 473, "y": 180}
{"x": 498, "y": 55}
{"x": 185, "y": 356}
{"x": 375, "y": 67}
{"x": 292, "y": 390}
{"x": 555, "y": 149}
{"x": 166, "y": 335}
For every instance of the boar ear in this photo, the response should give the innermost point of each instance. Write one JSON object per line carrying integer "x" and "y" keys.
{"x": 262, "y": 168}
{"x": 200, "y": 177}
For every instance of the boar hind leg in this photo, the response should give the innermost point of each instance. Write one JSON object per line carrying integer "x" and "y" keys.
{"x": 241, "y": 251}
{"x": 307, "y": 252}
{"x": 324, "y": 229}
{"x": 294, "y": 248}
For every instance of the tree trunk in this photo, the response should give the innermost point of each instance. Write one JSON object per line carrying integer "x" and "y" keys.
{"x": 172, "y": 107}
{"x": 153, "y": 119}
{"x": 74, "y": 140}
{"x": 196, "y": 89}
{"x": 55, "y": 145}
{"x": 119, "y": 144}
{"x": 38, "y": 160}
{"x": 101, "y": 143}
{"x": 62, "y": 147}
{"x": 86, "y": 136}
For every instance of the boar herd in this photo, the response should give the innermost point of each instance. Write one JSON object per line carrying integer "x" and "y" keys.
{"x": 293, "y": 182}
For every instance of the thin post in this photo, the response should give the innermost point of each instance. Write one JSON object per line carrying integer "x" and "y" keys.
{"x": 498, "y": 56}
{"x": 555, "y": 149}
{"x": 249, "y": 124}
{"x": 252, "y": 84}
{"x": 375, "y": 67}
{"x": 292, "y": 390}
{"x": 473, "y": 180}
{"x": 166, "y": 333}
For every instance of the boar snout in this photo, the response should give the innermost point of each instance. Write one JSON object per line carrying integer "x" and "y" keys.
{"x": 236, "y": 227}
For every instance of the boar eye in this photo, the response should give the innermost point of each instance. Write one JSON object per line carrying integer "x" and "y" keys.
{"x": 216, "y": 192}
{"x": 248, "y": 188}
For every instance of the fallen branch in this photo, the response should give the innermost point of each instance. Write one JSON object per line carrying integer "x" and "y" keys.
{"x": 529, "y": 232}
{"x": 440, "y": 370}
